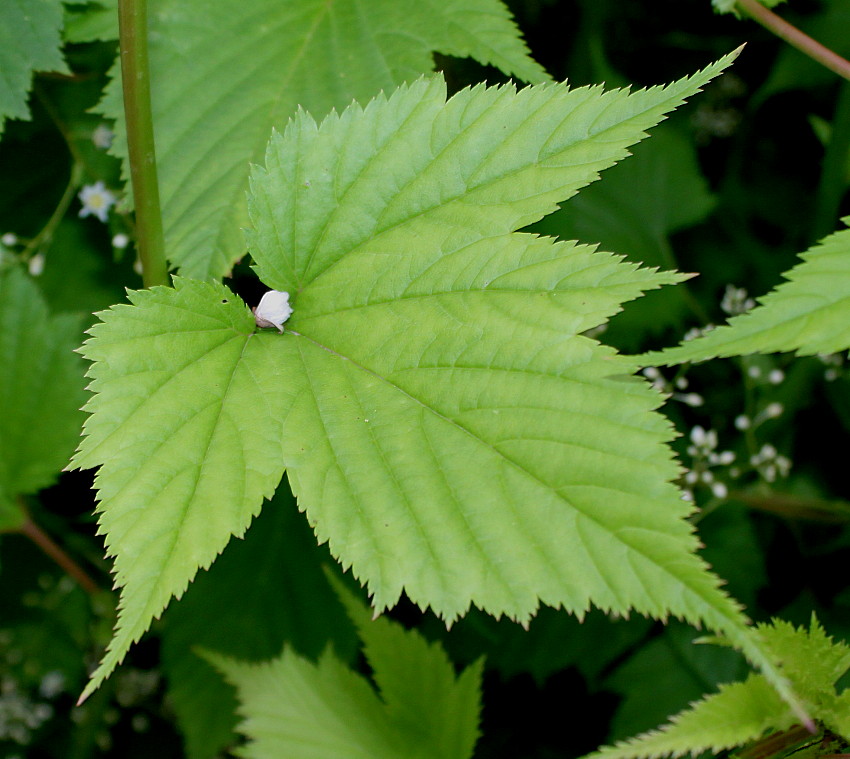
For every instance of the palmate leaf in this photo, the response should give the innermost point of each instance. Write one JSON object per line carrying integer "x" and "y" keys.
{"x": 210, "y": 125}
{"x": 29, "y": 42}
{"x": 809, "y": 314}
{"x": 742, "y": 712}
{"x": 41, "y": 391}
{"x": 294, "y": 708}
{"x": 444, "y": 423}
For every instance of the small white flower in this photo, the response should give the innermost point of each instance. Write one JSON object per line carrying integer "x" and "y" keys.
{"x": 719, "y": 490}
{"x": 120, "y": 241}
{"x": 9, "y": 239}
{"x": 773, "y": 410}
{"x": 743, "y": 422}
{"x": 726, "y": 457}
{"x": 97, "y": 200}
{"x": 694, "y": 400}
{"x": 754, "y": 372}
{"x": 273, "y": 310}
{"x": 776, "y": 376}
{"x": 36, "y": 264}
{"x": 695, "y": 332}
{"x": 102, "y": 137}
{"x": 735, "y": 300}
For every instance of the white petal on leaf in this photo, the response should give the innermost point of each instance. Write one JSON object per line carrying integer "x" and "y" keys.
{"x": 273, "y": 310}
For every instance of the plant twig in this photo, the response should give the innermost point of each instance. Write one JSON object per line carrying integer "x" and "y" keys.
{"x": 44, "y": 237}
{"x": 58, "y": 554}
{"x": 793, "y": 36}
{"x": 135, "y": 76}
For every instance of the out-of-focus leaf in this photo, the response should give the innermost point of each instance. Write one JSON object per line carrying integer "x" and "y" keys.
{"x": 264, "y": 591}
{"x": 312, "y": 54}
{"x": 642, "y": 201}
{"x": 297, "y": 709}
{"x": 41, "y": 388}
{"x": 29, "y": 42}
{"x": 665, "y": 675}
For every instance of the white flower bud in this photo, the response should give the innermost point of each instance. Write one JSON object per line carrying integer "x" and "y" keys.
{"x": 273, "y": 310}
{"x": 742, "y": 422}
{"x": 719, "y": 490}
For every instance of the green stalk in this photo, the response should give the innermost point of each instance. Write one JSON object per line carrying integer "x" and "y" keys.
{"x": 793, "y": 36}
{"x": 135, "y": 76}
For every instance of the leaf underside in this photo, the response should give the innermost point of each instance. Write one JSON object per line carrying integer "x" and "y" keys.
{"x": 809, "y": 314}
{"x": 314, "y": 54}
{"x": 445, "y": 424}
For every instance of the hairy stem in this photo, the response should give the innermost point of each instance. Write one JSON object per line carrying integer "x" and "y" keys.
{"x": 58, "y": 554}
{"x": 793, "y": 36}
{"x": 135, "y": 76}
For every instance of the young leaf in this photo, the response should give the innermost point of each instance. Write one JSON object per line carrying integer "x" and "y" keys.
{"x": 298, "y": 709}
{"x": 210, "y": 124}
{"x": 742, "y": 712}
{"x": 29, "y": 42}
{"x": 185, "y": 422}
{"x": 41, "y": 391}
{"x": 809, "y": 313}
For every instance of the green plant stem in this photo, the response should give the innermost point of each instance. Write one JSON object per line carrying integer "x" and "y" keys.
{"x": 55, "y": 552}
{"x": 833, "y": 179}
{"x": 793, "y": 36}
{"x": 45, "y": 235}
{"x": 135, "y": 76}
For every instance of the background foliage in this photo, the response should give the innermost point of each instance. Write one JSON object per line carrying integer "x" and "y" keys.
{"x": 734, "y": 186}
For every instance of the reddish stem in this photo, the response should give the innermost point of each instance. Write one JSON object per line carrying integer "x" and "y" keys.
{"x": 55, "y": 552}
{"x": 793, "y": 36}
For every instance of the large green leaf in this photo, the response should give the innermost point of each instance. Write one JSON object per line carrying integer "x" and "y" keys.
{"x": 294, "y": 708}
{"x": 225, "y": 72}
{"x": 29, "y": 41}
{"x": 810, "y": 313}
{"x": 444, "y": 422}
{"x": 41, "y": 391}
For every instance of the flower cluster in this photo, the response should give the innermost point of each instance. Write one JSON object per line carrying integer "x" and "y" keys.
{"x": 20, "y": 717}
{"x": 673, "y": 388}
{"x": 704, "y": 459}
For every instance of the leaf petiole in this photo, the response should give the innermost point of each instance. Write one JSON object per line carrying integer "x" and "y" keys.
{"x": 135, "y": 76}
